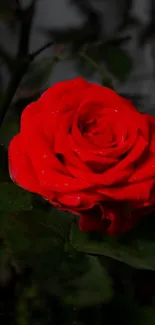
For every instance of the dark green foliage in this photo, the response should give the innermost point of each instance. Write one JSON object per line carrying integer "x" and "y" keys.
{"x": 13, "y": 198}
{"x": 109, "y": 54}
{"x": 135, "y": 248}
{"x": 118, "y": 62}
{"x": 40, "y": 241}
{"x": 37, "y": 76}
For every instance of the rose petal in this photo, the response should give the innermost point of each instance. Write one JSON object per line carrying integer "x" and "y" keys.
{"x": 129, "y": 192}
{"x": 20, "y": 167}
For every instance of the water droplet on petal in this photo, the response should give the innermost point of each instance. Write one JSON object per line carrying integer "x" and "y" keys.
{"x": 73, "y": 201}
{"x": 45, "y": 156}
{"x": 77, "y": 151}
{"x": 123, "y": 139}
{"x": 54, "y": 112}
{"x": 66, "y": 184}
{"x": 115, "y": 110}
{"x": 78, "y": 199}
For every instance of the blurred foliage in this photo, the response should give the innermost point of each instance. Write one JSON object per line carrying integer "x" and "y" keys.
{"x": 109, "y": 54}
{"x": 36, "y": 78}
{"x": 92, "y": 56}
{"x": 41, "y": 243}
{"x": 135, "y": 248}
{"x": 6, "y": 58}
{"x": 9, "y": 129}
{"x": 7, "y": 10}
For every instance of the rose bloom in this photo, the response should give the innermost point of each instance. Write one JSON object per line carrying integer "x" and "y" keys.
{"x": 89, "y": 151}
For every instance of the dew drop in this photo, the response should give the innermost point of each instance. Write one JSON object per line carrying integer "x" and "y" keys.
{"x": 77, "y": 151}
{"x": 78, "y": 199}
{"x": 66, "y": 184}
{"x": 115, "y": 110}
{"x": 54, "y": 112}
{"x": 123, "y": 139}
{"x": 45, "y": 156}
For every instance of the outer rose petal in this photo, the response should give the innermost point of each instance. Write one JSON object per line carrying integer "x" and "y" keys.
{"x": 112, "y": 220}
{"x": 131, "y": 192}
{"x": 51, "y": 174}
{"x": 20, "y": 167}
{"x": 63, "y": 95}
{"x": 80, "y": 200}
{"x": 91, "y": 219}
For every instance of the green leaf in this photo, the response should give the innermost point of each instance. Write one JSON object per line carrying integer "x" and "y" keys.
{"x": 93, "y": 287}
{"x": 107, "y": 82}
{"x": 32, "y": 239}
{"x": 9, "y": 128}
{"x": 40, "y": 241}
{"x": 135, "y": 248}
{"x": 118, "y": 62}
{"x": 13, "y": 198}
{"x": 36, "y": 237}
{"x": 48, "y": 233}
{"x": 37, "y": 76}
{"x": 146, "y": 316}
{"x": 84, "y": 67}
{"x": 16, "y": 238}
{"x": 127, "y": 312}
{"x": 89, "y": 64}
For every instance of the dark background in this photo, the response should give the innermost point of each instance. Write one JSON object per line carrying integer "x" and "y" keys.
{"x": 41, "y": 42}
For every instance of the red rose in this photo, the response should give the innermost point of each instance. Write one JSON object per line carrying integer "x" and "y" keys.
{"x": 89, "y": 151}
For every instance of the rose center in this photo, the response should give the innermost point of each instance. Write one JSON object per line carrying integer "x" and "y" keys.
{"x": 86, "y": 127}
{"x": 97, "y": 131}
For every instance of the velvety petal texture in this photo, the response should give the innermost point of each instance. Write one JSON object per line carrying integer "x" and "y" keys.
{"x": 89, "y": 151}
